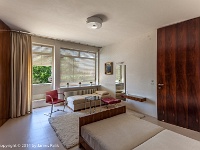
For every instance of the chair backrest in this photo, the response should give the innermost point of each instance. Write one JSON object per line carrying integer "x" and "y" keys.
{"x": 53, "y": 94}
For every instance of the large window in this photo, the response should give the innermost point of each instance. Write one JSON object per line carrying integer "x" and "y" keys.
{"x": 77, "y": 66}
{"x": 42, "y": 63}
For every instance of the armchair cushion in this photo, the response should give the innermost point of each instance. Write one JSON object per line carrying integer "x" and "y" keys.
{"x": 110, "y": 100}
{"x": 56, "y": 101}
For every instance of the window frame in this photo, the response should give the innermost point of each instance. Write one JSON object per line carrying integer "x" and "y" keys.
{"x": 79, "y": 51}
{"x": 49, "y": 54}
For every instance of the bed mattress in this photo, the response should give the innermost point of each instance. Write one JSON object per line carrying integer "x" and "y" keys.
{"x": 121, "y": 132}
{"x": 168, "y": 140}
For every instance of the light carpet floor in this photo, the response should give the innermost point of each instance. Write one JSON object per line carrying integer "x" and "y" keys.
{"x": 67, "y": 126}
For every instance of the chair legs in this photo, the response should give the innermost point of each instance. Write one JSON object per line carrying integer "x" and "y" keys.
{"x": 115, "y": 105}
{"x": 51, "y": 110}
{"x": 52, "y": 106}
{"x": 64, "y": 105}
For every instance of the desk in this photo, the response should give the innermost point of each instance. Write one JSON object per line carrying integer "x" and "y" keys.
{"x": 94, "y": 99}
{"x": 134, "y": 97}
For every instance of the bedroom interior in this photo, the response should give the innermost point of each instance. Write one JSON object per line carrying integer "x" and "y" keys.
{"x": 144, "y": 56}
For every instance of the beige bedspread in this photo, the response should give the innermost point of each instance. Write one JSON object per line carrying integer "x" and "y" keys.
{"x": 168, "y": 140}
{"x": 121, "y": 132}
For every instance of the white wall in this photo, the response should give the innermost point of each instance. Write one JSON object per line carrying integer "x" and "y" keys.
{"x": 140, "y": 57}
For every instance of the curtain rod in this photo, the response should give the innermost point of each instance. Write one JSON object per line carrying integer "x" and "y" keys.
{"x": 46, "y": 37}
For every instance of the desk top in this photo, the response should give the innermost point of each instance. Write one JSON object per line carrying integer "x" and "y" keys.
{"x": 134, "y": 97}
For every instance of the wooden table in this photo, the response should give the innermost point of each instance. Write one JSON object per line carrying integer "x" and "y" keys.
{"x": 134, "y": 97}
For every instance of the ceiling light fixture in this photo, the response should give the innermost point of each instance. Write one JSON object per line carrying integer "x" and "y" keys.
{"x": 94, "y": 22}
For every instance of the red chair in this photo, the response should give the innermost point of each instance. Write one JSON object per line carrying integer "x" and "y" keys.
{"x": 110, "y": 100}
{"x": 52, "y": 98}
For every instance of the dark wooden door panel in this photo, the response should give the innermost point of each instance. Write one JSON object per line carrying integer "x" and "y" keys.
{"x": 170, "y": 76}
{"x": 181, "y": 80}
{"x": 193, "y": 117}
{"x": 161, "y": 105}
{"x": 178, "y": 68}
{"x": 192, "y": 68}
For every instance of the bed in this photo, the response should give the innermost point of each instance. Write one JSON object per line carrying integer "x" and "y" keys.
{"x": 116, "y": 130}
{"x": 168, "y": 140}
{"x": 77, "y": 102}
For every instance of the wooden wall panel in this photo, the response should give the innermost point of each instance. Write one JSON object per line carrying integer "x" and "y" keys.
{"x": 5, "y": 73}
{"x": 180, "y": 96}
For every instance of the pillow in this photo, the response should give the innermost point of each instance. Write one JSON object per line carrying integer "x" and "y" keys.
{"x": 119, "y": 91}
{"x": 101, "y": 92}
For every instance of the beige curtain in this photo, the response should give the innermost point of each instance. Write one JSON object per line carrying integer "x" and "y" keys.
{"x": 21, "y": 74}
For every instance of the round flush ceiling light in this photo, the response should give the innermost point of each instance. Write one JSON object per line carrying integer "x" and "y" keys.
{"x": 94, "y": 22}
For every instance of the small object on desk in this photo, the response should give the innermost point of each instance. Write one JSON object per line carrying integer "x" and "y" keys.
{"x": 90, "y": 83}
{"x": 135, "y": 97}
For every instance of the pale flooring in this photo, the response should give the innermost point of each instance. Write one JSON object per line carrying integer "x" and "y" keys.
{"x": 33, "y": 131}
{"x": 186, "y": 132}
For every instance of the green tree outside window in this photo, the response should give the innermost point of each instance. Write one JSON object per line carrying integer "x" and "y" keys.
{"x": 41, "y": 74}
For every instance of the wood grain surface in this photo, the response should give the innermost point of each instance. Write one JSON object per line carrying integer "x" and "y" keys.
{"x": 178, "y": 69}
{"x": 5, "y": 73}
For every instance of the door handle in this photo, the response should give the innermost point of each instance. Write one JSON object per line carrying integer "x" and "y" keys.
{"x": 160, "y": 84}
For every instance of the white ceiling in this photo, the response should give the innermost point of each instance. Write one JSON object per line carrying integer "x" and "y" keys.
{"x": 123, "y": 19}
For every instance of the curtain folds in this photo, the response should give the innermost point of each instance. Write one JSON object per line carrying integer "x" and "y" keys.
{"x": 21, "y": 74}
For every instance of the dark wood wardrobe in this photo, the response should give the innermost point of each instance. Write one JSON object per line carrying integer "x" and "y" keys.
{"x": 178, "y": 74}
{"x": 5, "y": 72}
